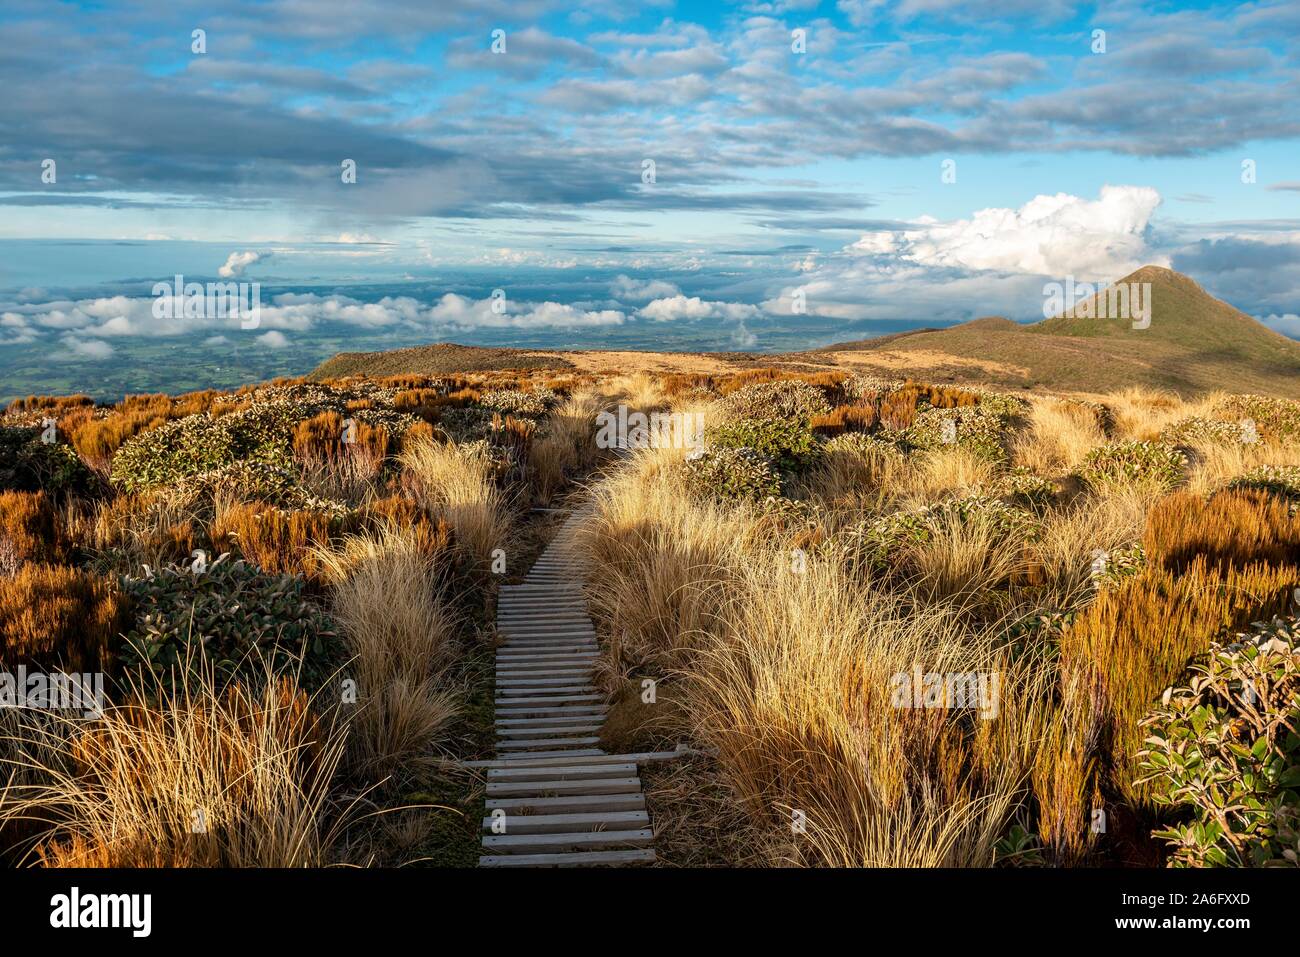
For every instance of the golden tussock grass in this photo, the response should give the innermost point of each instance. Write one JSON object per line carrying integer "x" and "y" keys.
{"x": 1058, "y": 436}
{"x": 1136, "y": 638}
{"x": 457, "y": 485}
{"x": 567, "y": 448}
{"x": 388, "y": 598}
{"x": 56, "y": 616}
{"x": 1232, "y": 528}
{"x": 277, "y": 541}
{"x": 29, "y": 530}
{"x": 239, "y": 778}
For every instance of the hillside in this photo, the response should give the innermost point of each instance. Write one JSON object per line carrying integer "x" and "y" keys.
{"x": 440, "y": 358}
{"x": 1193, "y": 343}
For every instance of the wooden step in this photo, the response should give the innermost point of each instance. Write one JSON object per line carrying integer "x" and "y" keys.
{"x": 557, "y": 742}
{"x": 567, "y": 823}
{"x": 577, "y": 772}
{"x": 569, "y": 753}
{"x": 503, "y": 789}
{"x": 536, "y": 760}
{"x": 529, "y": 703}
{"x": 553, "y": 843}
{"x": 533, "y": 692}
{"x": 521, "y": 735}
{"x": 553, "y": 720}
{"x": 578, "y": 859}
{"x": 568, "y": 803}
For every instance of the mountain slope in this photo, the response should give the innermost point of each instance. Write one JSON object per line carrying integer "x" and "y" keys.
{"x": 1193, "y": 343}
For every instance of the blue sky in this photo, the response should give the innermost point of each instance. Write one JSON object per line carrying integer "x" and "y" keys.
{"x": 779, "y": 173}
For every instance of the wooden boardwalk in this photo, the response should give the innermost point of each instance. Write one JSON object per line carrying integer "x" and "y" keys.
{"x": 554, "y": 798}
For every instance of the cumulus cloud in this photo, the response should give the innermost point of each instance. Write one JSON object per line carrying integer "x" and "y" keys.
{"x": 1049, "y": 235}
{"x": 75, "y": 348}
{"x": 237, "y": 262}
{"x": 641, "y": 290}
{"x": 670, "y": 308}
{"x": 273, "y": 339}
{"x": 124, "y": 316}
{"x": 1288, "y": 324}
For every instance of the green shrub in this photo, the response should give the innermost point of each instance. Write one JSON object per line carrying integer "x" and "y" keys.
{"x": 783, "y": 399}
{"x": 731, "y": 474}
{"x": 1113, "y": 567}
{"x": 1273, "y": 418}
{"x": 250, "y": 481}
{"x": 1280, "y": 480}
{"x": 1225, "y": 751}
{"x": 1000, "y": 404}
{"x": 968, "y": 427}
{"x": 201, "y": 443}
{"x": 872, "y": 543}
{"x": 1147, "y": 463}
{"x": 260, "y": 430}
{"x": 28, "y": 464}
{"x": 466, "y": 425}
{"x": 1022, "y": 487}
{"x": 517, "y": 402}
{"x": 789, "y": 444}
{"x": 233, "y": 615}
{"x": 1197, "y": 430}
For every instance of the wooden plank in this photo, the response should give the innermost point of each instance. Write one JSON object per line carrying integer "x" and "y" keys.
{"x": 504, "y": 789}
{"x": 535, "y": 760}
{"x": 576, "y": 742}
{"x": 566, "y": 823}
{"x": 569, "y": 753}
{"x": 523, "y": 703}
{"x": 562, "y": 716}
{"x": 521, "y": 735}
{"x": 558, "y": 713}
{"x": 579, "y": 859}
{"x": 578, "y": 771}
{"x": 534, "y": 692}
{"x": 569, "y": 804}
{"x": 583, "y": 841}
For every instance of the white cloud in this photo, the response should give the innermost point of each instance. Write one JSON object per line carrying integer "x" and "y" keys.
{"x": 122, "y": 316}
{"x": 1287, "y": 324}
{"x": 992, "y": 263}
{"x": 273, "y": 339}
{"x": 1048, "y": 236}
{"x": 237, "y": 262}
{"x": 641, "y": 290}
{"x": 671, "y": 308}
{"x": 75, "y": 348}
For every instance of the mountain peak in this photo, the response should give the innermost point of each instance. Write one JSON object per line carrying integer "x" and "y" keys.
{"x": 1154, "y": 302}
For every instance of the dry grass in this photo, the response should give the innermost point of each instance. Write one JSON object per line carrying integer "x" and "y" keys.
{"x": 239, "y": 778}
{"x": 55, "y": 616}
{"x": 457, "y": 485}
{"x": 401, "y": 632}
{"x": 934, "y": 476}
{"x": 568, "y": 447}
{"x": 1060, "y": 557}
{"x": 1214, "y": 465}
{"x": 796, "y": 698}
{"x": 1059, "y": 435}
